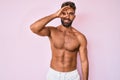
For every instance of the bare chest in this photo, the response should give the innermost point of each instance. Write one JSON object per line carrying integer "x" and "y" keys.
{"x": 66, "y": 41}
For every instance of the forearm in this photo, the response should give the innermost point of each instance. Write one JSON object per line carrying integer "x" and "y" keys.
{"x": 41, "y": 23}
{"x": 85, "y": 70}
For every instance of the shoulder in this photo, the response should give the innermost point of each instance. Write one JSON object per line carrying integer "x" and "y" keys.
{"x": 53, "y": 30}
{"x": 80, "y": 36}
{"x": 53, "y": 27}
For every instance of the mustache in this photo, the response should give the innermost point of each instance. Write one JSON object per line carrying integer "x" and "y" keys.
{"x": 66, "y": 19}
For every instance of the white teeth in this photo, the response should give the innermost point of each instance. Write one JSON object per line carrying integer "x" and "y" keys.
{"x": 66, "y": 20}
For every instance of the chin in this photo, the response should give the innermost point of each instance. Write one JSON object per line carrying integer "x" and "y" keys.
{"x": 66, "y": 24}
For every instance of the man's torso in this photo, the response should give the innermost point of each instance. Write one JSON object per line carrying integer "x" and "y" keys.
{"x": 65, "y": 46}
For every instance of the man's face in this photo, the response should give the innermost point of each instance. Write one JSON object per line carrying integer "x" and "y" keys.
{"x": 68, "y": 17}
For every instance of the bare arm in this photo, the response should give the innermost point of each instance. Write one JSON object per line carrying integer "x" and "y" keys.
{"x": 84, "y": 58}
{"x": 39, "y": 27}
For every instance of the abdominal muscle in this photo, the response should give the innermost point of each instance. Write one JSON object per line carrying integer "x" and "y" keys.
{"x": 63, "y": 60}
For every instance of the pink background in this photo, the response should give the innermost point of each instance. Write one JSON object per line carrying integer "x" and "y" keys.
{"x": 26, "y": 56}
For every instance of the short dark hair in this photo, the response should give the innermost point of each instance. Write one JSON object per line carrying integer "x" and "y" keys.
{"x": 69, "y": 3}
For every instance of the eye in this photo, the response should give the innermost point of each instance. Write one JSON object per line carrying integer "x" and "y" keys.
{"x": 71, "y": 13}
{"x": 63, "y": 13}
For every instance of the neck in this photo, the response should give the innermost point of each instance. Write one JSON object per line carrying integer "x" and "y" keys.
{"x": 64, "y": 29}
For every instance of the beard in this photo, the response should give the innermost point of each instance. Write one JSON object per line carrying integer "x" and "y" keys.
{"x": 66, "y": 24}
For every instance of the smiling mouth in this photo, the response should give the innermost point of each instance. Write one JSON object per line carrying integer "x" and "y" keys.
{"x": 66, "y": 20}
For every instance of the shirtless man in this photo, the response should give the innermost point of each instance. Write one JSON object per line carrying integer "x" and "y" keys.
{"x": 66, "y": 42}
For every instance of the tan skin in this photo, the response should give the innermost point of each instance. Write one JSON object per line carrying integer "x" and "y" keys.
{"x": 66, "y": 42}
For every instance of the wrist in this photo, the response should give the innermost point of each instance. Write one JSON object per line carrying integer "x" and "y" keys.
{"x": 54, "y": 15}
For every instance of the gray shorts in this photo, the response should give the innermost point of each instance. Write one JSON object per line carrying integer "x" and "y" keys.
{"x": 56, "y": 75}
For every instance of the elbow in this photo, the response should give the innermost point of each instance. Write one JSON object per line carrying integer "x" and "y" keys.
{"x": 85, "y": 62}
{"x": 33, "y": 29}
{"x": 85, "y": 65}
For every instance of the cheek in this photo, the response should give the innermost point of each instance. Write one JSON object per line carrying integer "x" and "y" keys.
{"x": 72, "y": 17}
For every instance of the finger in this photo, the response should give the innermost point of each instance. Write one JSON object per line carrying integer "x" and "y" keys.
{"x": 65, "y": 8}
